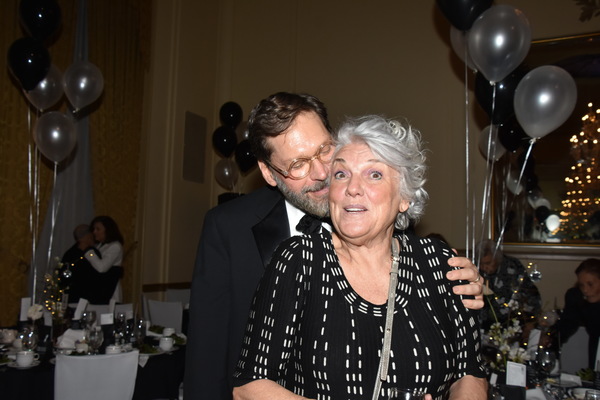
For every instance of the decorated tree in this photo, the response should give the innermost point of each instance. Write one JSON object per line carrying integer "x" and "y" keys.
{"x": 580, "y": 215}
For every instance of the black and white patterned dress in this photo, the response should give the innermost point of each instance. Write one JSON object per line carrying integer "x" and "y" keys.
{"x": 309, "y": 331}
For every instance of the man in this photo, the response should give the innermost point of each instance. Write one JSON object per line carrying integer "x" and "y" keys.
{"x": 239, "y": 237}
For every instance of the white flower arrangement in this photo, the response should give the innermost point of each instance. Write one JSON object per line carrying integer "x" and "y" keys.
{"x": 35, "y": 312}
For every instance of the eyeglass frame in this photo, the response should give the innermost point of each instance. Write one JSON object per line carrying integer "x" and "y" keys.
{"x": 309, "y": 160}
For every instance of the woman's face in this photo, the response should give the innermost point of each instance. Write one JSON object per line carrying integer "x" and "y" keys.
{"x": 364, "y": 196}
{"x": 589, "y": 285}
{"x": 99, "y": 232}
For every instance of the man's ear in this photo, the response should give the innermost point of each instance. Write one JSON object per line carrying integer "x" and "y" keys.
{"x": 266, "y": 173}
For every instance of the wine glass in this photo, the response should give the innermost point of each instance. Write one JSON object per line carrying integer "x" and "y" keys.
{"x": 95, "y": 339}
{"x": 88, "y": 318}
{"x": 546, "y": 361}
{"x": 28, "y": 338}
{"x": 592, "y": 394}
{"x": 120, "y": 328}
{"x": 139, "y": 331}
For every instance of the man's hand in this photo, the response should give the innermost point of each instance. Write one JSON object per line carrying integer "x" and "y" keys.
{"x": 467, "y": 272}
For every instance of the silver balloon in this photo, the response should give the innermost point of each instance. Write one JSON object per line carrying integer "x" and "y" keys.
{"x": 499, "y": 41}
{"x": 55, "y": 136}
{"x": 83, "y": 84}
{"x": 544, "y": 99}
{"x": 513, "y": 184}
{"x": 48, "y": 92}
{"x": 459, "y": 40}
{"x": 489, "y": 145}
{"x": 226, "y": 173}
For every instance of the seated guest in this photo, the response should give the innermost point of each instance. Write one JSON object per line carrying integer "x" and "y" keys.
{"x": 107, "y": 259}
{"x": 507, "y": 286}
{"x": 79, "y": 279}
{"x": 317, "y": 322}
{"x": 582, "y": 306}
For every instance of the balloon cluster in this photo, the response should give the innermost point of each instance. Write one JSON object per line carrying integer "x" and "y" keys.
{"x": 225, "y": 142}
{"x": 42, "y": 82}
{"x": 522, "y": 104}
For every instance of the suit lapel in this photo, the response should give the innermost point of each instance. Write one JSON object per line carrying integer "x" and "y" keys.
{"x": 271, "y": 230}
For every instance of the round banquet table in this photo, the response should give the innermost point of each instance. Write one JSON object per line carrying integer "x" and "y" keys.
{"x": 160, "y": 378}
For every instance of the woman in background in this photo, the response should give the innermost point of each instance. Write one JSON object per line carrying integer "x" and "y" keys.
{"x": 582, "y": 306}
{"x": 107, "y": 260}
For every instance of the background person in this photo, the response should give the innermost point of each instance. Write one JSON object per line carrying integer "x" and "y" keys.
{"x": 238, "y": 238}
{"x": 81, "y": 276}
{"x": 582, "y": 307}
{"x": 317, "y": 321}
{"x": 506, "y": 281}
{"x": 107, "y": 260}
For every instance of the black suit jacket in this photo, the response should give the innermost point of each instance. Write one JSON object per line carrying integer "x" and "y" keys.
{"x": 238, "y": 239}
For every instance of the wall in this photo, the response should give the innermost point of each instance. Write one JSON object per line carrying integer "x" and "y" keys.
{"x": 385, "y": 57}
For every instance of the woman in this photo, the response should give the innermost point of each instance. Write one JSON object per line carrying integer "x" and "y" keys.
{"x": 106, "y": 260}
{"x": 319, "y": 315}
{"x": 582, "y": 306}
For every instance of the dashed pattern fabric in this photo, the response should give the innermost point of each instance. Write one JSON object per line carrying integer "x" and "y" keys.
{"x": 311, "y": 333}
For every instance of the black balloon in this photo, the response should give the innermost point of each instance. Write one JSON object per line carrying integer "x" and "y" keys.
{"x": 511, "y": 135}
{"x": 503, "y": 109}
{"x": 29, "y": 62}
{"x": 244, "y": 157}
{"x": 462, "y": 13}
{"x": 231, "y": 114}
{"x": 40, "y": 18}
{"x": 541, "y": 213}
{"x": 224, "y": 140}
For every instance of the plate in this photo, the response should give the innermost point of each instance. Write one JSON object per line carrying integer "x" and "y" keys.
{"x": 159, "y": 351}
{"x": 13, "y": 364}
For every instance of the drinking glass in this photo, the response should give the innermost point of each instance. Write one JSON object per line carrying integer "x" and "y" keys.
{"x": 88, "y": 318}
{"x": 28, "y": 338}
{"x": 95, "y": 339}
{"x": 546, "y": 362}
{"x": 405, "y": 394}
{"x": 139, "y": 331}
{"x": 120, "y": 328}
{"x": 592, "y": 395}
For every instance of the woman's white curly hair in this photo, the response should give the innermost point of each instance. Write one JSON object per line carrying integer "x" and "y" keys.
{"x": 399, "y": 146}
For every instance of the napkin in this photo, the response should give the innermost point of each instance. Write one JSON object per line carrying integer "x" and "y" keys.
{"x": 143, "y": 359}
{"x": 67, "y": 340}
{"x": 567, "y": 379}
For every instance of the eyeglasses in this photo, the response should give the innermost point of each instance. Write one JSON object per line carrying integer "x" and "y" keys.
{"x": 300, "y": 167}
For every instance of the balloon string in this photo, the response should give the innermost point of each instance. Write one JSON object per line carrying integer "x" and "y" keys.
{"x": 504, "y": 222}
{"x": 32, "y": 195}
{"x": 55, "y": 205}
{"x": 488, "y": 179}
{"x": 467, "y": 158}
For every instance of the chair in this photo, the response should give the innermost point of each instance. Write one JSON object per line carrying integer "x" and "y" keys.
{"x": 99, "y": 377}
{"x": 166, "y": 313}
{"x": 126, "y": 308}
{"x": 99, "y": 308}
{"x": 182, "y": 295}
{"x": 574, "y": 352}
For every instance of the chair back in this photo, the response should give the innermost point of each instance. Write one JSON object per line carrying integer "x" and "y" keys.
{"x": 574, "y": 352}
{"x": 99, "y": 308}
{"x": 99, "y": 377}
{"x": 168, "y": 314}
{"x": 182, "y": 295}
{"x": 126, "y": 308}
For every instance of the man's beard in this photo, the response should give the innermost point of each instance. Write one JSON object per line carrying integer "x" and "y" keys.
{"x": 317, "y": 207}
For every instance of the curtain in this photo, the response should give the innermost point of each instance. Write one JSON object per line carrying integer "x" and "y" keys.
{"x": 119, "y": 43}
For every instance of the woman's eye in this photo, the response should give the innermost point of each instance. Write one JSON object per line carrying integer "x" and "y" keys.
{"x": 375, "y": 175}
{"x": 339, "y": 175}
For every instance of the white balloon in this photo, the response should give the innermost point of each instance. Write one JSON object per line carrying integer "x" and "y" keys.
{"x": 499, "y": 41}
{"x": 513, "y": 184}
{"x": 552, "y": 222}
{"x": 48, "y": 92}
{"x": 55, "y": 135}
{"x": 544, "y": 99}
{"x": 489, "y": 145}
{"x": 459, "y": 41}
{"x": 83, "y": 84}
